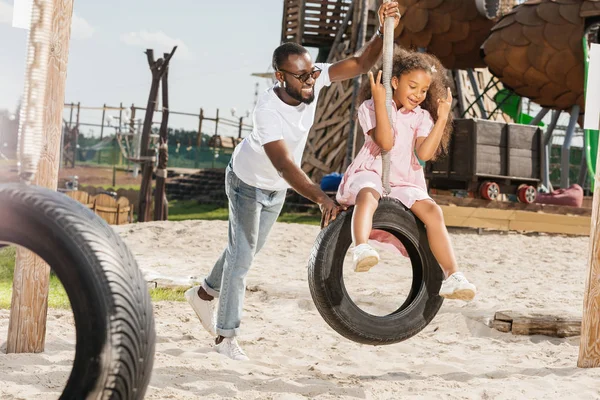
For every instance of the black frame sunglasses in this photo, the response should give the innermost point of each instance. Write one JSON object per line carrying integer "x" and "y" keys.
{"x": 315, "y": 73}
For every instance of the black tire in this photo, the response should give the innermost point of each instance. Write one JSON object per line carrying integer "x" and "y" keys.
{"x": 109, "y": 297}
{"x": 326, "y": 282}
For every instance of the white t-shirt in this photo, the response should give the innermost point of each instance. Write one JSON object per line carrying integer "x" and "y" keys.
{"x": 275, "y": 120}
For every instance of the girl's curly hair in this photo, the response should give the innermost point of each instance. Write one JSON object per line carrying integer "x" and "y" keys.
{"x": 405, "y": 61}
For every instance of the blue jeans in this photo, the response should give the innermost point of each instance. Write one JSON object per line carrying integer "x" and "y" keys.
{"x": 252, "y": 213}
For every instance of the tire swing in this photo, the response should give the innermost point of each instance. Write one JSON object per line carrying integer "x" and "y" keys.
{"x": 111, "y": 305}
{"x": 326, "y": 263}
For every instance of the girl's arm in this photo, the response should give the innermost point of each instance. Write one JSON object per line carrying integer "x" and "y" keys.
{"x": 382, "y": 133}
{"x": 426, "y": 147}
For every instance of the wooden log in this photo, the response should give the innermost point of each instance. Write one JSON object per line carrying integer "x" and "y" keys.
{"x": 537, "y": 324}
{"x": 29, "y": 305}
{"x": 502, "y": 326}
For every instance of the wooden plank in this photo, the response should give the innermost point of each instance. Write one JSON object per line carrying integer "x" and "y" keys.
{"x": 490, "y": 133}
{"x": 328, "y": 122}
{"x": 507, "y": 205}
{"x": 539, "y": 217}
{"x": 490, "y": 160}
{"x": 523, "y": 136}
{"x": 579, "y": 230}
{"x": 505, "y": 220}
{"x": 331, "y": 134}
{"x": 466, "y": 212}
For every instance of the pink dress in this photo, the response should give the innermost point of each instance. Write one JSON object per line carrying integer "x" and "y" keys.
{"x": 407, "y": 179}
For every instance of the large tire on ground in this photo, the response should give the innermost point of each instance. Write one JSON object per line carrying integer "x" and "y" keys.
{"x": 326, "y": 282}
{"x": 109, "y": 297}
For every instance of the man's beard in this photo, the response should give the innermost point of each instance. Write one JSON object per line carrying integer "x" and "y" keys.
{"x": 297, "y": 95}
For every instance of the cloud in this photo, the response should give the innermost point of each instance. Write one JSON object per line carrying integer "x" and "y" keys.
{"x": 158, "y": 41}
{"x": 80, "y": 28}
{"x": 6, "y": 13}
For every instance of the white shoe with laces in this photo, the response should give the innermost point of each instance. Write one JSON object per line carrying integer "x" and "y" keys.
{"x": 205, "y": 310}
{"x": 229, "y": 347}
{"x": 365, "y": 257}
{"x": 456, "y": 286}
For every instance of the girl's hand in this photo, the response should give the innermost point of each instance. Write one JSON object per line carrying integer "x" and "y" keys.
{"x": 445, "y": 105}
{"x": 377, "y": 88}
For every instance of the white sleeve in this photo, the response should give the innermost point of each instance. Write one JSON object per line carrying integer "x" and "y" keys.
{"x": 268, "y": 126}
{"x": 323, "y": 80}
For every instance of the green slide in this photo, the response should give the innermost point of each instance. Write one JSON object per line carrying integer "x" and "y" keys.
{"x": 509, "y": 103}
{"x": 590, "y": 136}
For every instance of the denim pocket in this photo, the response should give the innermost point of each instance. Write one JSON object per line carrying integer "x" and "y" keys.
{"x": 239, "y": 187}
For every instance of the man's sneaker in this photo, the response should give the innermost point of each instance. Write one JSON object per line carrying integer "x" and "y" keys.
{"x": 365, "y": 257}
{"x": 205, "y": 310}
{"x": 230, "y": 348}
{"x": 456, "y": 286}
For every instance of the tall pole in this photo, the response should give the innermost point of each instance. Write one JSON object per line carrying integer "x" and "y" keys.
{"x": 160, "y": 199}
{"x": 29, "y": 306}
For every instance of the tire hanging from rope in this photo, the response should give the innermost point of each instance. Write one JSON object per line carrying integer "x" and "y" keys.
{"x": 326, "y": 264}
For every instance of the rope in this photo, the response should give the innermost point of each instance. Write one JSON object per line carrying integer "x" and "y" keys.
{"x": 388, "y": 53}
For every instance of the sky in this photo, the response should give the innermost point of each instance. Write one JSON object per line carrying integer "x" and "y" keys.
{"x": 220, "y": 44}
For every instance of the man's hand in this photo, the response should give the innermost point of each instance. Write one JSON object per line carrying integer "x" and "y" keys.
{"x": 389, "y": 10}
{"x": 329, "y": 210}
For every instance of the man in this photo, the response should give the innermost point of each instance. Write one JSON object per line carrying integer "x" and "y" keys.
{"x": 263, "y": 166}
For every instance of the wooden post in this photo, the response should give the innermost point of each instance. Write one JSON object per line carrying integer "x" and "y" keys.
{"x": 160, "y": 198}
{"x": 29, "y": 306}
{"x": 217, "y": 122}
{"x": 119, "y": 130}
{"x": 240, "y": 128}
{"x": 589, "y": 346}
{"x": 199, "y": 138}
{"x": 75, "y": 136}
{"x": 157, "y": 68}
{"x": 102, "y": 132}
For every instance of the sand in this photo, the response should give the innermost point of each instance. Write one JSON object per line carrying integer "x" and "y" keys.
{"x": 295, "y": 355}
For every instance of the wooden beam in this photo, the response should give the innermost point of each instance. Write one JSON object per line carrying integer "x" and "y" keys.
{"x": 589, "y": 347}
{"x": 29, "y": 306}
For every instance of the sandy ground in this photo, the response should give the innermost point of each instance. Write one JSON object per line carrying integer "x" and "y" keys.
{"x": 295, "y": 355}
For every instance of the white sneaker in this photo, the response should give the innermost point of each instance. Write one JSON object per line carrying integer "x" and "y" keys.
{"x": 365, "y": 257}
{"x": 205, "y": 310}
{"x": 230, "y": 348}
{"x": 456, "y": 286}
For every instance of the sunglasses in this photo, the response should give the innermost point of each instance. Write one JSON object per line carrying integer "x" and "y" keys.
{"x": 315, "y": 73}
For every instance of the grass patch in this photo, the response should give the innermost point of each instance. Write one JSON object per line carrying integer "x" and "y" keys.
{"x": 181, "y": 210}
{"x": 57, "y": 296}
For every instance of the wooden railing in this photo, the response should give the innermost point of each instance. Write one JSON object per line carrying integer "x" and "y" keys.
{"x": 313, "y": 23}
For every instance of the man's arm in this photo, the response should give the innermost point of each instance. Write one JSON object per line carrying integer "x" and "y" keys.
{"x": 281, "y": 159}
{"x": 362, "y": 61}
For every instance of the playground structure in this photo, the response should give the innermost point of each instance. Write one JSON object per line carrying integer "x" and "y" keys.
{"x": 467, "y": 36}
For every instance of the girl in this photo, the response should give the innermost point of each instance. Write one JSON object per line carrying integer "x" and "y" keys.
{"x": 421, "y": 124}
